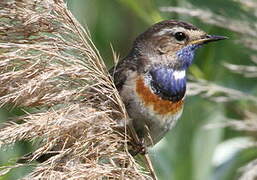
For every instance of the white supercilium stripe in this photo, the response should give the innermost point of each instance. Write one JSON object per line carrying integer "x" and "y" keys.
{"x": 162, "y": 32}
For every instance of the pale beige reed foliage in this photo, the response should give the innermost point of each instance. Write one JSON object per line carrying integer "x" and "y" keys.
{"x": 49, "y": 65}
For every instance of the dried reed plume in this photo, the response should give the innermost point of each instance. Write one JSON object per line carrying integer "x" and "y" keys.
{"x": 49, "y": 64}
{"x": 216, "y": 92}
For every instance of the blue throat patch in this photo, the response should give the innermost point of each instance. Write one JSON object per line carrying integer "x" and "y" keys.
{"x": 164, "y": 84}
{"x": 186, "y": 55}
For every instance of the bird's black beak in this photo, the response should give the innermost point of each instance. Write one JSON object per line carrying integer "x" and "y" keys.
{"x": 208, "y": 38}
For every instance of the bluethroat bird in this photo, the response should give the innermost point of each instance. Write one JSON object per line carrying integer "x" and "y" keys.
{"x": 151, "y": 79}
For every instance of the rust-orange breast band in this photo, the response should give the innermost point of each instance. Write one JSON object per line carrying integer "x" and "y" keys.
{"x": 160, "y": 106}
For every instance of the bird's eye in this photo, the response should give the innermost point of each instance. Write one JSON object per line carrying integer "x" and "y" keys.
{"x": 180, "y": 36}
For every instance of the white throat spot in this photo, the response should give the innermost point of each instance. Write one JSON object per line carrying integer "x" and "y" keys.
{"x": 179, "y": 74}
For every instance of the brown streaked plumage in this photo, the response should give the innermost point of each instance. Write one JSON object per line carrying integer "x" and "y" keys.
{"x": 151, "y": 79}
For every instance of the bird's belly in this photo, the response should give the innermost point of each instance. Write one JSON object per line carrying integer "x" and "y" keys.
{"x": 152, "y": 116}
{"x": 151, "y": 126}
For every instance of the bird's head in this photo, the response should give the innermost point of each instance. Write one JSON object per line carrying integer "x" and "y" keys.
{"x": 170, "y": 43}
{"x": 164, "y": 52}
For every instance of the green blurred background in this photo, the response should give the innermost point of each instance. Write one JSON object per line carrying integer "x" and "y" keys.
{"x": 189, "y": 151}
